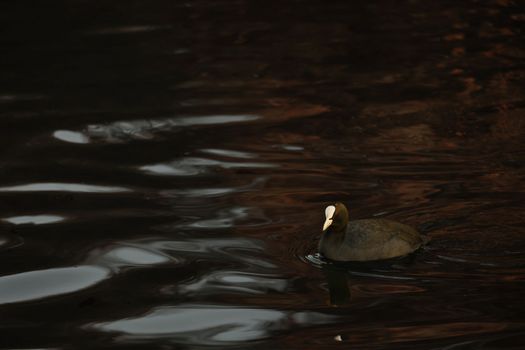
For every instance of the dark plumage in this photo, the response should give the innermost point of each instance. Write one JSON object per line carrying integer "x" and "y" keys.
{"x": 365, "y": 240}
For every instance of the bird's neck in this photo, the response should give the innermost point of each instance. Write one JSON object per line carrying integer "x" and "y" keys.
{"x": 335, "y": 233}
{"x": 331, "y": 239}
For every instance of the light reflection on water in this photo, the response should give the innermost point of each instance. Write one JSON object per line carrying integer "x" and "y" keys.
{"x": 209, "y": 324}
{"x": 248, "y": 253}
{"x": 194, "y": 166}
{"x": 198, "y": 324}
{"x": 34, "y": 219}
{"x": 229, "y": 153}
{"x": 225, "y": 218}
{"x": 10, "y": 241}
{"x": 125, "y": 255}
{"x": 224, "y": 281}
{"x": 35, "y": 285}
{"x": 64, "y": 187}
{"x": 143, "y": 129}
{"x": 71, "y": 136}
{"x": 212, "y": 192}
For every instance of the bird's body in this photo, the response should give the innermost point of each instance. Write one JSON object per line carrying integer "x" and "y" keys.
{"x": 366, "y": 240}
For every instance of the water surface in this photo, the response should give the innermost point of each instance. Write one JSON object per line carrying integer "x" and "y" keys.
{"x": 165, "y": 168}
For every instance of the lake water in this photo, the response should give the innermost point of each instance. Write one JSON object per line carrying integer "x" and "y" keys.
{"x": 165, "y": 166}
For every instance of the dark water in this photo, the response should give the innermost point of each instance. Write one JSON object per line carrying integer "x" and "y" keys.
{"x": 165, "y": 166}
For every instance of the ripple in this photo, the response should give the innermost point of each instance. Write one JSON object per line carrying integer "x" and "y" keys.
{"x": 431, "y": 331}
{"x": 211, "y": 192}
{"x": 136, "y": 256}
{"x": 141, "y": 129}
{"x": 209, "y": 324}
{"x": 202, "y": 245}
{"x": 34, "y": 285}
{"x": 199, "y": 192}
{"x": 292, "y": 148}
{"x": 129, "y": 29}
{"x": 315, "y": 259}
{"x": 216, "y": 119}
{"x": 229, "y": 153}
{"x": 195, "y": 166}
{"x": 239, "y": 250}
{"x": 234, "y": 282}
{"x": 71, "y": 136}
{"x": 383, "y": 289}
{"x": 63, "y": 187}
{"x": 225, "y": 218}
{"x": 128, "y": 255}
{"x": 34, "y": 219}
{"x": 16, "y": 98}
{"x": 199, "y": 324}
{"x": 10, "y": 241}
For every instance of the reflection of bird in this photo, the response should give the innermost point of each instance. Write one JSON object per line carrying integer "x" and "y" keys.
{"x": 364, "y": 240}
{"x": 337, "y": 285}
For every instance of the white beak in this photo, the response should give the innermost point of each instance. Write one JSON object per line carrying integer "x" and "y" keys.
{"x": 327, "y": 224}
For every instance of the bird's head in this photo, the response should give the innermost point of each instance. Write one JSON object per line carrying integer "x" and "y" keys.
{"x": 336, "y": 217}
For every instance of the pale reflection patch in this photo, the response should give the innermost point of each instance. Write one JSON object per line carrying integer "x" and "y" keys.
{"x": 71, "y": 136}
{"x": 215, "y": 119}
{"x": 34, "y": 219}
{"x": 34, "y": 285}
{"x": 229, "y": 153}
{"x": 196, "y": 323}
{"x": 210, "y": 324}
{"x": 141, "y": 129}
{"x": 123, "y": 256}
{"x": 226, "y": 281}
{"x": 225, "y": 218}
{"x": 132, "y": 255}
{"x": 194, "y": 166}
{"x": 63, "y": 187}
{"x": 292, "y": 148}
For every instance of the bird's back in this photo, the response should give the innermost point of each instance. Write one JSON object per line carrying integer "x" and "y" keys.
{"x": 375, "y": 239}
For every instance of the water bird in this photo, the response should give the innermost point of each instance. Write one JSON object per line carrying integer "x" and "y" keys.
{"x": 365, "y": 240}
